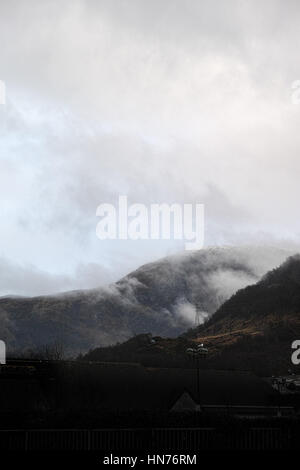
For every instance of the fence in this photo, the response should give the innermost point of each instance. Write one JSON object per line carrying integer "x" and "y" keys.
{"x": 150, "y": 439}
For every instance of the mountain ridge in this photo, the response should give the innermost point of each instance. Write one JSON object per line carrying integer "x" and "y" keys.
{"x": 159, "y": 297}
{"x": 254, "y": 329}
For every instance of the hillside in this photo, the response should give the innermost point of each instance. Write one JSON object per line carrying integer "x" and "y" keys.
{"x": 158, "y": 297}
{"x": 254, "y": 329}
{"x": 258, "y": 324}
{"x": 271, "y": 303}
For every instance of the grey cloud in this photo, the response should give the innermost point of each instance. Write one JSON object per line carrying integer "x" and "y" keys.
{"x": 28, "y": 280}
{"x": 163, "y": 101}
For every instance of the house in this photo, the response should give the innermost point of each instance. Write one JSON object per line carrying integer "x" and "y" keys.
{"x": 185, "y": 403}
{"x": 178, "y": 390}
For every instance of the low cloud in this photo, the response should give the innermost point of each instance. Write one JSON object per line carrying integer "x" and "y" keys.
{"x": 28, "y": 280}
{"x": 162, "y": 101}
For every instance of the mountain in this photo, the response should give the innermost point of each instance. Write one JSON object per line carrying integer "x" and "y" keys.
{"x": 273, "y": 301}
{"x": 254, "y": 329}
{"x": 257, "y": 325}
{"x": 159, "y": 297}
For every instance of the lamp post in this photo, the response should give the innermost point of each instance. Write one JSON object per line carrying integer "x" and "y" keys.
{"x": 196, "y": 353}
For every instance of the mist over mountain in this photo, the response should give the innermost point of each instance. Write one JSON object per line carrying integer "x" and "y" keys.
{"x": 158, "y": 297}
{"x": 253, "y": 330}
{"x": 256, "y": 327}
{"x": 274, "y": 298}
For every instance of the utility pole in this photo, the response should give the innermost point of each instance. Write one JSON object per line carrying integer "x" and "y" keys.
{"x": 196, "y": 354}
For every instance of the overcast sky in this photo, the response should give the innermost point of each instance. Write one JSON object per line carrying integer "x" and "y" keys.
{"x": 163, "y": 101}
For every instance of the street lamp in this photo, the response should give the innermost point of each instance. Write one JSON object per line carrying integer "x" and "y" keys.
{"x": 196, "y": 353}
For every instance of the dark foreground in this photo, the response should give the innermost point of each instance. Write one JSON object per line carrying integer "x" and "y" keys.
{"x": 107, "y": 414}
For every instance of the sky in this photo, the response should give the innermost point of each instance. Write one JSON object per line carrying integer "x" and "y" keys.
{"x": 180, "y": 101}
